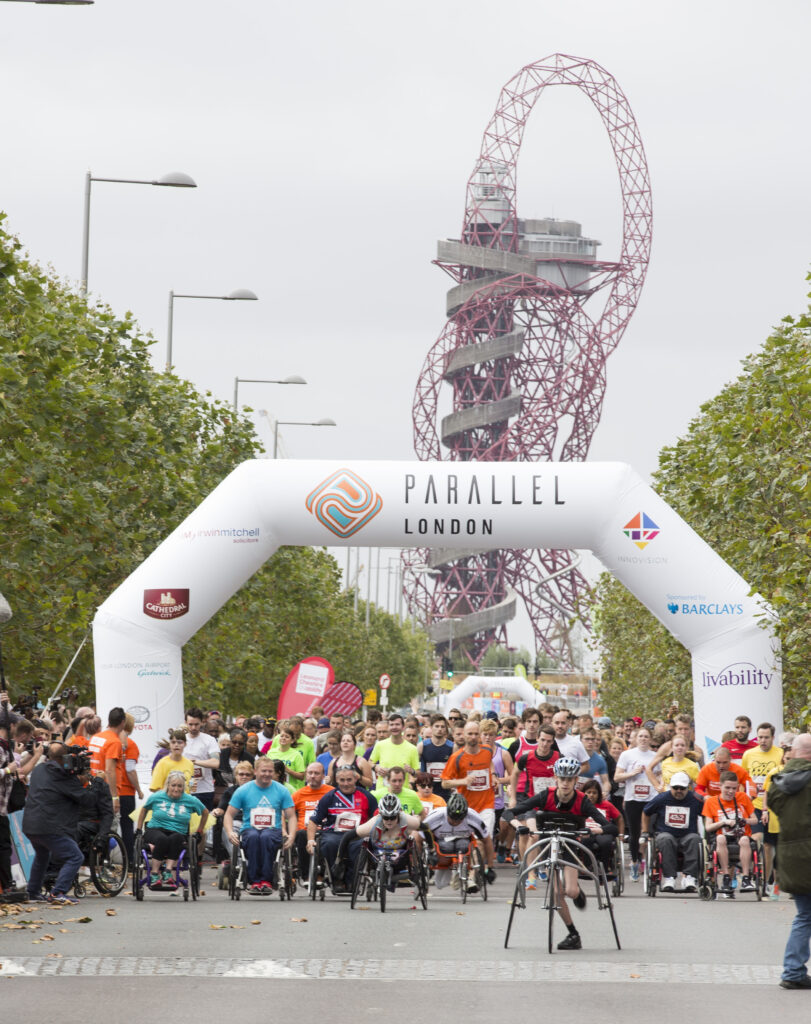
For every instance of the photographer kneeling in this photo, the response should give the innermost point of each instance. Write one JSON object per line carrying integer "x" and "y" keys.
{"x": 55, "y": 802}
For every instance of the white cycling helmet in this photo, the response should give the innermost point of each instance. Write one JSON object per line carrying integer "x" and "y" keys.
{"x": 567, "y": 767}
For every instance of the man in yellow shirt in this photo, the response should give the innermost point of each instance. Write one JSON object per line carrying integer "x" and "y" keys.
{"x": 761, "y": 761}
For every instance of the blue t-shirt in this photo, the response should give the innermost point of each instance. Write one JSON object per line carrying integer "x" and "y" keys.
{"x": 261, "y": 808}
{"x": 597, "y": 766}
{"x": 172, "y": 815}
{"x": 326, "y": 760}
{"x": 676, "y": 816}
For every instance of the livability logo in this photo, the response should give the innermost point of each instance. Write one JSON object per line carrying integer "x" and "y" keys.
{"x": 641, "y": 530}
{"x": 344, "y": 503}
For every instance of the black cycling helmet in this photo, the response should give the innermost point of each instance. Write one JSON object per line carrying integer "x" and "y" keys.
{"x": 457, "y": 806}
{"x": 567, "y": 768}
{"x": 389, "y": 806}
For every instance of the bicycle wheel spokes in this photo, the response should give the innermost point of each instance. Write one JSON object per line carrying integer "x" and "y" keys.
{"x": 552, "y": 904}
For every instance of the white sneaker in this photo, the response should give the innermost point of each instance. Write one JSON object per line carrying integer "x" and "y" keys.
{"x": 668, "y": 885}
{"x": 689, "y": 884}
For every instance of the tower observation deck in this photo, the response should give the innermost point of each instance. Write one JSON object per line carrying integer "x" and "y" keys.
{"x": 520, "y": 364}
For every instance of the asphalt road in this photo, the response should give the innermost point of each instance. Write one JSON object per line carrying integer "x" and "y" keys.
{"x": 679, "y": 955}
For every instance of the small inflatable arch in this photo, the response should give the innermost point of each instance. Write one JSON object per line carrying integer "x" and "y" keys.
{"x": 522, "y": 688}
{"x": 140, "y": 630}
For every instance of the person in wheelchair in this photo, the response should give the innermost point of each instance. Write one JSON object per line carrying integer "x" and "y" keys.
{"x": 447, "y": 827}
{"x": 338, "y": 814}
{"x": 168, "y": 829}
{"x": 728, "y": 820}
{"x": 98, "y": 819}
{"x": 390, "y": 830}
{"x": 599, "y": 843}
{"x": 266, "y": 806}
{"x": 674, "y": 815}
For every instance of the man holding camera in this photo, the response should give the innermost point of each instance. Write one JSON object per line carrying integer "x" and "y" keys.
{"x": 56, "y": 799}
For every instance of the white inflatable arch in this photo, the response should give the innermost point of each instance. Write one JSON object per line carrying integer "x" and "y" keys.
{"x": 140, "y": 630}
{"x": 522, "y": 688}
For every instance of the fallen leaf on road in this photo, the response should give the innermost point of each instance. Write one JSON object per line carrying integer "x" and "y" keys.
{"x": 64, "y": 931}
{"x": 47, "y": 938}
{"x": 54, "y": 956}
{"x": 256, "y": 922}
{"x": 299, "y": 920}
{"x": 110, "y": 913}
{"x": 218, "y": 927}
{"x": 12, "y": 927}
{"x": 634, "y": 975}
{"x": 82, "y": 920}
{"x": 237, "y": 926}
{"x": 34, "y": 942}
{"x": 460, "y": 913}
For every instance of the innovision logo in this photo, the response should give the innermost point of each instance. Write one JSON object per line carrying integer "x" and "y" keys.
{"x": 641, "y": 530}
{"x": 344, "y": 503}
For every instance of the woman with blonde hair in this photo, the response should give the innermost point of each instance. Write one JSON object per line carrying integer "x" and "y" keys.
{"x": 172, "y": 808}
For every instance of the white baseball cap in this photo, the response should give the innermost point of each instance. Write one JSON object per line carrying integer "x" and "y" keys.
{"x": 680, "y": 779}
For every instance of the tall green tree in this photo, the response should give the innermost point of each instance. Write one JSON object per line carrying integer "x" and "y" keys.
{"x": 741, "y": 478}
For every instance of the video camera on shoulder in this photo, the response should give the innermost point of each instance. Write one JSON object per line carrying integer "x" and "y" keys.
{"x": 76, "y": 761}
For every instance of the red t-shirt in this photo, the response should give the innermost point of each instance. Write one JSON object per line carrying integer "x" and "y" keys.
{"x": 737, "y": 749}
{"x": 535, "y": 774}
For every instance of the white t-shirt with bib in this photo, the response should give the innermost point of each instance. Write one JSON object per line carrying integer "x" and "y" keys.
{"x": 637, "y": 788}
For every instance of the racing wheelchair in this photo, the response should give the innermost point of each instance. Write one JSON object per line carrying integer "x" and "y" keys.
{"x": 105, "y": 859}
{"x": 186, "y": 873}
{"x": 377, "y": 875}
{"x": 462, "y": 855}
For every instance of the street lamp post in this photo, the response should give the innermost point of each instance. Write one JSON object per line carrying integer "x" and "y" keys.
{"x": 175, "y": 179}
{"x": 239, "y": 295}
{"x": 297, "y": 423}
{"x": 53, "y": 3}
{"x": 295, "y": 379}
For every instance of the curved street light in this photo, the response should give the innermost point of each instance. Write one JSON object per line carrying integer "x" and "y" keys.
{"x": 295, "y": 379}
{"x": 175, "y": 179}
{"x": 326, "y": 422}
{"x": 238, "y": 295}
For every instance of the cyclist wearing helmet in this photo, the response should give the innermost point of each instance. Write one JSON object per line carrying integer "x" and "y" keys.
{"x": 446, "y": 824}
{"x": 565, "y": 799}
{"x": 389, "y": 830}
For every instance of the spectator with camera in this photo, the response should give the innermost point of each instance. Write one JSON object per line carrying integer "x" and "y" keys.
{"x": 56, "y": 800}
{"x": 728, "y": 821}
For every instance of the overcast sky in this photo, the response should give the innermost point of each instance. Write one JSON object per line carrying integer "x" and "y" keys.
{"x": 332, "y": 141}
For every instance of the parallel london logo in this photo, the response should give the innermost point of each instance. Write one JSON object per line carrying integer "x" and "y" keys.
{"x": 166, "y": 604}
{"x": 344, "y": 503}
{"x": 641, "y": 529}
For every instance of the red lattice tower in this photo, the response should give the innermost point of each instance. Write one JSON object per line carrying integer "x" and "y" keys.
{"x": 524, "y": 361}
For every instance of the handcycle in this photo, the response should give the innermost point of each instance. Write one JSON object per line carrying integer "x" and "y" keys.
{"x": 651, "y": 867}
{"x": 186, "y": 872}
{"x": 559, "y": 845}
{"x": 467, "y": 862}
{"x": 376, "y": 874}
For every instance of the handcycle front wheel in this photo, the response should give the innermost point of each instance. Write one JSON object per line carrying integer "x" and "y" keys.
{"x": 109, "y": 864}
{"x": 361, "y": 880}
{"x": 478, "y": 872}
{"x": 419, "y": 876}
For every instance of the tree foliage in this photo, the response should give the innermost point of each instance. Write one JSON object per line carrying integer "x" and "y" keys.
{"x": 100, "y": 458}
{"x": 741, "y": 478}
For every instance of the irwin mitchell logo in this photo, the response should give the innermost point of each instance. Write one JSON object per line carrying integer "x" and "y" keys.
{"x": 344, "y": 503}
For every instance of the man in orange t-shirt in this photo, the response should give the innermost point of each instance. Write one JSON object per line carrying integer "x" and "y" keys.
{"x": 470, "y": 772}
{"x": 708, "y": 782}
{"x": 305, "y": 801}
{"x": 728, "y": 818}
{"x": 105, "y": 753}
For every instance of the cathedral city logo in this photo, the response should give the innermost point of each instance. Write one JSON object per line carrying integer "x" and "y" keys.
{"x": 344, "y": 503}
{"x": 641, "y": 530}
{"x": 166, "y": 604}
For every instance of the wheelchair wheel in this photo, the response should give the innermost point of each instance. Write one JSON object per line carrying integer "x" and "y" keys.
{"x": 552, "y": 905}
{"x": 419, "y": 876}
{"x": 477, "y": 872}
{"x": 361, "y": 881}
{"x": 758, "y": 875}
{"x": 315, "y": 861}
{"x": 618, "y": 886}
{"x": 193, "y": 865}
{"x": 140, "y": 869}
{"x": 109, "y": 866}
{"x": 384, "y": 876}
{"x": 464, "y": 875}
{"x": 234, "y": 875}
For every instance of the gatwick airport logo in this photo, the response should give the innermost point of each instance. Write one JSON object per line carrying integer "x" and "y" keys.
{"x": 344, "y": 503}
{"x": 641, "y": 530}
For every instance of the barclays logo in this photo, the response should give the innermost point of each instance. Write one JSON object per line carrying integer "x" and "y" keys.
{"x": 704, "y": 609}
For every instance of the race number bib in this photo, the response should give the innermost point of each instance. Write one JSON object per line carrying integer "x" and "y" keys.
{"x": 540, "y": 783}
{"x": 480, "y": 779}
{"x": 347, "y": 820}
{"x": 426, "y": 806}
{"x": 263, "y": 817}
{"x": 309, "y": 810}
{"x": 676, "y": 817}
{"x": 641, "y": 790}
{"x": 435, "y": 769}
{"x": 758, "y": 781}
{"x": 198, "y": 772}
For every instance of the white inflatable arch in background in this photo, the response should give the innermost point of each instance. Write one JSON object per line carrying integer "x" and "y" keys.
{"x": 140, "y": 630}
{"x": 522, "y": 688}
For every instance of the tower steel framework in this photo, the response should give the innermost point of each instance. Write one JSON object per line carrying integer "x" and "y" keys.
{"x": 523, "y": 364}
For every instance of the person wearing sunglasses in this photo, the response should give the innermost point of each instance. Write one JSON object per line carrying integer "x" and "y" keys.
{"x": 674, "y": 815}
{"x": 390, "y": 829}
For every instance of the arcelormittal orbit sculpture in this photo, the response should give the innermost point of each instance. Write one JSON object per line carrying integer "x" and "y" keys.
{"x": 520, "y": 362}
